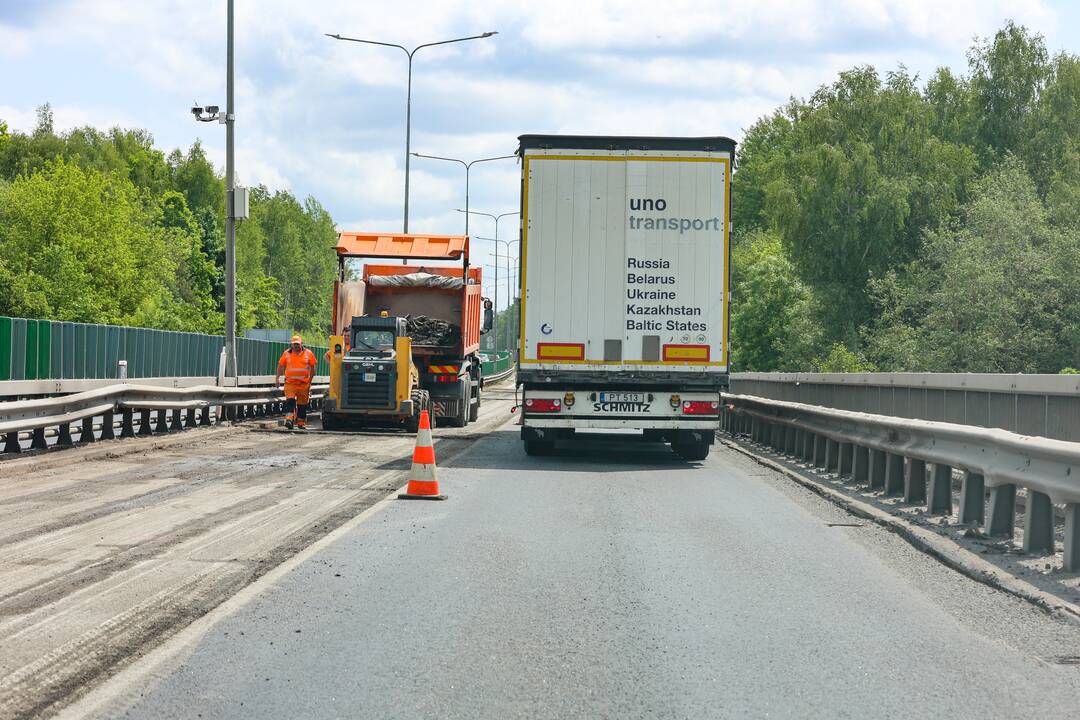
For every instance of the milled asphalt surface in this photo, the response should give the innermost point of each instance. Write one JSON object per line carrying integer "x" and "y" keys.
{"x": 618, "y": 581}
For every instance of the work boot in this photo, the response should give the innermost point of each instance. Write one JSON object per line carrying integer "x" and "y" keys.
{"x": 301, "y": 425}
{"x": 288, "y": 422}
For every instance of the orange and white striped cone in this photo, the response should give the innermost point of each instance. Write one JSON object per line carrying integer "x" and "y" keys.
{"x": 423, "y": 480}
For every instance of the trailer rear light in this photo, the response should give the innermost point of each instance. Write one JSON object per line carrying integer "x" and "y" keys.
{"x": 543, "y": 405}
{"x": 700, "y": 407}
{"x": 444, "y": 378}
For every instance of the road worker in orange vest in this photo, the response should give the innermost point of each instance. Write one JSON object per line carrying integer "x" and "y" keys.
{"x": 298, "y": 364}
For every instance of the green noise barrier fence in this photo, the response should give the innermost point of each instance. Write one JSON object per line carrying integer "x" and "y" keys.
{"x": 51, "y": 350}
{"x": 498, "y": 365}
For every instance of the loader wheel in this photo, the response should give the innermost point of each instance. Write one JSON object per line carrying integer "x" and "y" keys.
{"x": 421, "y": 400}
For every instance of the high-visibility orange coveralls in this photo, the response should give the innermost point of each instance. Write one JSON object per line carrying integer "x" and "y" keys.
{"x": 297, "y": 366}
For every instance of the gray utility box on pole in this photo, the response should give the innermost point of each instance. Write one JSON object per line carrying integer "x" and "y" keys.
{"x": 240, "y": 203}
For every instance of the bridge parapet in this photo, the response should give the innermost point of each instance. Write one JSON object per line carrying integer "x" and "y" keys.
{"x": 1041, "y": 405}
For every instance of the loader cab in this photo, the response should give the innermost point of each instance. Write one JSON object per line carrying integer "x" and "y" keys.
{"x": 375, "y": 337}
{"x": 371, "y": 369}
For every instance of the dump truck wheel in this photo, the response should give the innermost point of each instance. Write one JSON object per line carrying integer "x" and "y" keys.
{"x": 474, "y": 408}
{"x": 461, "y": 417}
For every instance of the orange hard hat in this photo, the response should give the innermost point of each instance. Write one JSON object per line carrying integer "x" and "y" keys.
{"x": 297, "y": 339}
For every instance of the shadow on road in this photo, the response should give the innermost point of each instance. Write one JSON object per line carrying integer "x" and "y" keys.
{"x": 588, "y": 452}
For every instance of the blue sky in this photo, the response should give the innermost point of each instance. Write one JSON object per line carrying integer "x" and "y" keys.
{"x": 326, "y": 118}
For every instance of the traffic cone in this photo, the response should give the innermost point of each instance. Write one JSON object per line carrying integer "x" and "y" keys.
{"x": 423, "y": 481}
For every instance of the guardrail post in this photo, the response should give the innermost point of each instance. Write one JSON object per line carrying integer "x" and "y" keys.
{"x": 894, "y": 474}
{"x": 877, "y": 468}
{"x": 11, "y": 442}
{"x": 127, "y": 423}
{"x": 162, "y": 422}
{"x": 1001, "y": 520}
{"x": 808, "y": 446}
{"x": 843, "y": 464}
{"x": 86, "y": 433}
{"x": 107, "y": 420}
{"x": 1038, "y": 523}
{"x": 190, "y": 420}
{"x": 1072, "y": 538}
{"x": 972, "y": 499}
{"x": 831, "y": 451}
{"x": 940, "y": 495}
{"x": 796, "y": 442}
{"x": 37, "y": 439}
{"x": 177, "y": 423}
{"x": 63, "y": 435}
{"x": 915, "y": 481}
{"x": 204, "y": 416}
{"x": 860, "y": 464}
{"x": 144, "y": 423}
{"x": 820, "y": 446}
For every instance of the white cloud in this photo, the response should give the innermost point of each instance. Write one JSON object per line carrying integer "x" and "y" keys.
{"x": 13, "y": 42}
{"x": 323, "y": 117}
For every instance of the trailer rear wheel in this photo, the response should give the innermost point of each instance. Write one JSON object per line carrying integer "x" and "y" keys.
{"x": 691, "y": 450}
{"x": 538, "y": 447}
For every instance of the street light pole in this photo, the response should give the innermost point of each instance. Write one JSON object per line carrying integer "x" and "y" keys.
{"x": 408, "y": 93}
{"x": 467, "y": 166}
{"x": 230, "y": 209}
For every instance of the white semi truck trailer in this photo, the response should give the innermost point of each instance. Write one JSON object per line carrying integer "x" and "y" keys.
{"x": 625, "y": 287}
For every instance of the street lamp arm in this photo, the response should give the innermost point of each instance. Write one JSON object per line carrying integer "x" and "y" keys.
{"x": 455, "y": 40}
{"x": 369, "y": 42}
{"x": 501, "y": 157}
{"x": 437, "y": 157}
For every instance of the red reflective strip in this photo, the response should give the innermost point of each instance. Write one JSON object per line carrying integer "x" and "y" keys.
{"x": 701, "y": 407}
{"x": 423, "y": 487}
{"x": 543, "y": 405}
{"x": 424, "y": 455}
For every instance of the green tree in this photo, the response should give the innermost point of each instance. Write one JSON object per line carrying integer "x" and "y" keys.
{"x": 996, "y": 290}
{"x": 767, "y": 297}
{"x": 1007, "y": 76}
{"x": 857, "y": 179}
{"x": 79, "y": 245}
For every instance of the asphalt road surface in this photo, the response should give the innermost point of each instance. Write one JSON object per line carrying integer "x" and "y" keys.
{"x": 613, "y": 581}
{"x": 106, "y": 551}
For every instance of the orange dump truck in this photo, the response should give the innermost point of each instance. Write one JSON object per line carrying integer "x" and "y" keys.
{"x": 407, "y": 336}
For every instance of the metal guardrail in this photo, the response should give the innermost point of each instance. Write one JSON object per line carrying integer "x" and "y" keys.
{"x": 176, "y": 409}
{"x": 892, "y": 454}
{"x": 499, "y": 376}
{"x": 1044, "y": 405}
